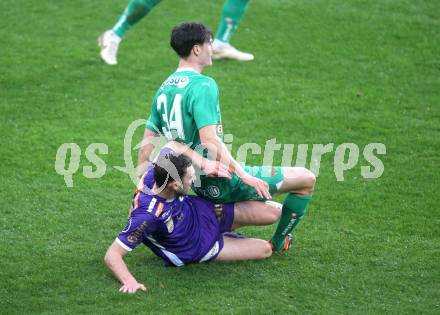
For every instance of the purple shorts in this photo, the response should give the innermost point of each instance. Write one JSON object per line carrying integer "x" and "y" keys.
{"x": 215, "y": 219}
{"x": 222, "y": 214}
{"x": 225, "y": 216}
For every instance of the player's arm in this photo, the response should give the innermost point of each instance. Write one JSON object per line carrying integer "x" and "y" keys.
{"x": 206, "y": 113}
{"x": 139, "y": 225}
{"x": 217, "y": 150}
{"x": 114, "y": 260}
{"x": 149, "y": 142}
{"x": 209, "y": 167}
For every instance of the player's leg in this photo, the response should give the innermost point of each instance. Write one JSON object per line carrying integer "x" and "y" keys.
{"x": 297, "y": 180}
{"x": 244, "y": 249}
{"x": 298, "y": 183}
{"x": 233, "y": 10}
{"x": 246, "y": 213}
{"x": 133, "y": 13}
{"x": 255, "y": 213}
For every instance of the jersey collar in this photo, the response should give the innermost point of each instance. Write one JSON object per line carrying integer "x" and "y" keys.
{"x": 185, "y": 69}
{"x": 163, "y": 199}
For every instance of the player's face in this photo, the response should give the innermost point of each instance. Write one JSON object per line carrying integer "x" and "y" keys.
{"x": 187, "y": 180}
{"x": 205, "y": 53}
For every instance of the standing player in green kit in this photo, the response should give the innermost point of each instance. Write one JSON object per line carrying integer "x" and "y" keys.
{"x": 186, "y": 109}
{"x": 232, "y": 12}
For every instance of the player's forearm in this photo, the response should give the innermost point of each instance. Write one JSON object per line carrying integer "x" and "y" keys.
{"x": 144, "y": 158}
{"x": 219, "y": 151}
{"x": 148, "y": 144}
{"x": 118, "y": 267}
{"x": 145, "y": 152}
{"x": 195, "y": 157}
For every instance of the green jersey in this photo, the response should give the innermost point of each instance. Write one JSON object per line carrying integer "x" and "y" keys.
{"x": 184, "y": 103}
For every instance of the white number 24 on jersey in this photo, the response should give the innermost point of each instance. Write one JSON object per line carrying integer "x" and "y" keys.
{"x": 173, "y": 120}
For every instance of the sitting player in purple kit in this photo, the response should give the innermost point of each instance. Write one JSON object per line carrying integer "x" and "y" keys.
{"x": 183, "y": 229}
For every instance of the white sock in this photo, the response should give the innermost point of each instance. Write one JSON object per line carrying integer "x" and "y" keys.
{"x": 219, "y": 45}
{"x": 115, "y": 37}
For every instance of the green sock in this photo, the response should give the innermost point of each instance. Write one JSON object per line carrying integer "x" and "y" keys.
{"x": 133, "y": 13}
{"x": 294, "y": 208}
{"x": 232, "y": 12}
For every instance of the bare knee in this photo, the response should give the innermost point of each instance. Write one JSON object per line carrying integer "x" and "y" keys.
{"x": 309, "y": 180}
{"x": 265, "y": 251}
{"x": 273, "y": 211}
{"x": 303, "y": 180}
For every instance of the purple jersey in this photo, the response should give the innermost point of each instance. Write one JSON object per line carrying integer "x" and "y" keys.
{"x": 180, "y": 231}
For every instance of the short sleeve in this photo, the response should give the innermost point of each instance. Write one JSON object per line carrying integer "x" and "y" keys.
{"x": 139, "y": 226}
{"x": 205, "y": 100}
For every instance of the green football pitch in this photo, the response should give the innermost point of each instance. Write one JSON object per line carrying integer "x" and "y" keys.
{"x": 325, "y": 72}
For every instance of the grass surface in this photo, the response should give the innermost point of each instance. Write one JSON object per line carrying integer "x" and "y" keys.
{"x": 325, "y": 72}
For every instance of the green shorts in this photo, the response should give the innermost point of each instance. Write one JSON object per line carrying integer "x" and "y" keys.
{"x": 223, "y": 190}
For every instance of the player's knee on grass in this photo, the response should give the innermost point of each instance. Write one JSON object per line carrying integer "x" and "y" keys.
{"x": 262, "y": 249}
{"x": 266, "y": 250}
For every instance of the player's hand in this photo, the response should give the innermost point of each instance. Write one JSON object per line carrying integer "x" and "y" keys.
{"x": 259, "y": 185}
{"x": 132, "y": 287}
{"x": 216, "y": 169}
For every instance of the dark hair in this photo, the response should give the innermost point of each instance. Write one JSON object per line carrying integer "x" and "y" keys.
{"x": 186, "y": 35}
{"x": 168, "y": 166}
